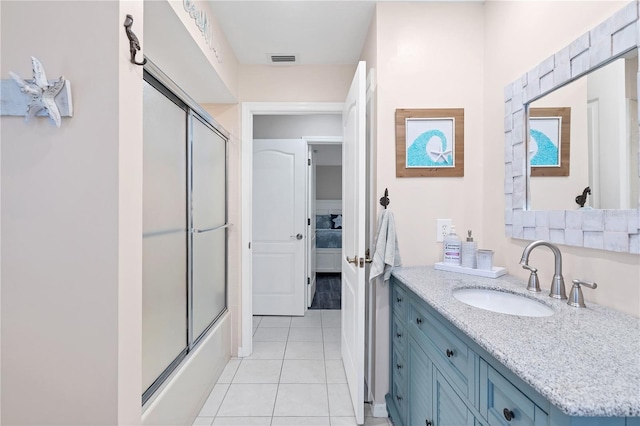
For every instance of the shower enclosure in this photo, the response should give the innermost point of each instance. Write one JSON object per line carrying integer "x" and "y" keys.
{"x": 184, "y": 227}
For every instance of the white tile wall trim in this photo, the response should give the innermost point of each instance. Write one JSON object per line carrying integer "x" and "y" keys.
{"x": 613, "y": 230}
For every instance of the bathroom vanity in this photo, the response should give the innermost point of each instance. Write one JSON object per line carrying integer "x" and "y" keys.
{"x": 456, "y": 364}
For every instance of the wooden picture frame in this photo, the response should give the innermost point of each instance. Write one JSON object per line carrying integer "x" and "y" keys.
{"x": 430, "y": 142}
{"x": 561, "y": 116}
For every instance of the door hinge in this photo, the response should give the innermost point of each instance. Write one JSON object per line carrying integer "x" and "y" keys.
{"x": 308, "y": 280}
{"x": 309, "y": 161}
{"x": 308, "y": 221}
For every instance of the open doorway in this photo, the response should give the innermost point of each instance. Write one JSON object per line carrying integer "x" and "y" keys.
{"x": 355, "y": 186}
{"x": 287, "y": 169}
{"x": 260, "y": 112}
{"x": 325, "y": 243}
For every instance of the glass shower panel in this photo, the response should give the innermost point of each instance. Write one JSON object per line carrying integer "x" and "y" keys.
{"x": 209, "y": 278}
{"x": 209, "y": 177}
{"x": 208, "y": 198}
{"x": 164, "y": 273}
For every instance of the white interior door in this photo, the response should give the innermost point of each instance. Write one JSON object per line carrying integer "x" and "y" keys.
{"x": 279, "y": 222}
{"x": 311, "y": 228}
{"x": 353, "y": 239}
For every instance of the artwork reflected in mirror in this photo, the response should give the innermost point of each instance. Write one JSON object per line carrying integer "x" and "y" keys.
{"x": 600, "y": 112}
{"x": 549, "y": 141}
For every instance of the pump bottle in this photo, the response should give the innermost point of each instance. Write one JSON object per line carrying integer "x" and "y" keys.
{"x": 451, "y": 248}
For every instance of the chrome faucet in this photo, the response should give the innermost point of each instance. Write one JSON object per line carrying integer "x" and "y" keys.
{"x": 557, "y": 284}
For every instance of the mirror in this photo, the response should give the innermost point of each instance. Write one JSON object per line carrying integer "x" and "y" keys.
{"x": 585, "y": 134}
{"x": 615, "y": 225}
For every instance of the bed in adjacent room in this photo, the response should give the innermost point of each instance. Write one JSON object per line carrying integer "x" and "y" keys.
{"x": 328, "y": 235}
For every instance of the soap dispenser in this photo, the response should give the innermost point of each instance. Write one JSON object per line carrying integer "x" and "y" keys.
{"x": 451, "y": 248}
{"x": 468, "y": 252}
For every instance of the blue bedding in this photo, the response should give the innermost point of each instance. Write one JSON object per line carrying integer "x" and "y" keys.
{"x": 328, "y": 231}
{"x": 328, "y": 238}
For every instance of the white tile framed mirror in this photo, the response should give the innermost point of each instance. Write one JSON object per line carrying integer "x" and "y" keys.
{"x": 610, "y": 218}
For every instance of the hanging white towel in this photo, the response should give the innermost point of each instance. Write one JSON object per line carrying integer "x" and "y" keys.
{"x": 386, "y": 253}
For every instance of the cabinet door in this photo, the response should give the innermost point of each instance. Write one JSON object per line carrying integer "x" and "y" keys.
{"x": 420, "y": 386}
{"x": 449, "y": 409}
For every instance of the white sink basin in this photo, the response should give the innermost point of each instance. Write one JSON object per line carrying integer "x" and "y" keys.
{"x": 504, "y": 303}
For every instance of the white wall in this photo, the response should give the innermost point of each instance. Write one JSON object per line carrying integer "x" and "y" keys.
{"x": 328, "y": 154}
{"x": 219, "y": 62}
{"x": 302, "y": 83}
{"x": 513, "y": 45}
{"x": 296, "y": 126}
{"x": 71, "y": 221}
{"x": 433, "y": 58}
{"x": 328, "y": 182}
{"x": 415, "y": 52}
{"x": 607, "y": 88}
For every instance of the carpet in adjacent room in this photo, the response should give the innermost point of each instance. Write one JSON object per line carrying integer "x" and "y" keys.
{"x": 328, "y": 291}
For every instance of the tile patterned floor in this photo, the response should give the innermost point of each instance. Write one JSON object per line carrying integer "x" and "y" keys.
{"x": 293, "y": 377}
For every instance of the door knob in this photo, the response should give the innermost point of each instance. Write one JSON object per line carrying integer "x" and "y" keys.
{"x": 353, "y": 260}
{"x": 297, "y": 237}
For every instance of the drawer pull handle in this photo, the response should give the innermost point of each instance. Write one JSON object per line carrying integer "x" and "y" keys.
{"x": 398, "y": 397}
{"x": 398, "y": 335}
{"x": 399, "y": 366}
{"x": 508, "y": 414}
{"x": 418, "y": 320}
{"x": 428, "y": 423}
{"x": 399, "y": 299}
{"x": 449, "y": 353}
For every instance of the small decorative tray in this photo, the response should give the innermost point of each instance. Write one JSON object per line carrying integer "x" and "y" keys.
{"x": 495, "y": 272}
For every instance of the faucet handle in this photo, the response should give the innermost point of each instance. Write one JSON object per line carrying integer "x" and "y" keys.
{"x": 534, "y": 282}
{"x": 575, "y": 296}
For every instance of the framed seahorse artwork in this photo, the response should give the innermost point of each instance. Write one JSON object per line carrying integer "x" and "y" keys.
{"x": 430, "y": 142}
{"x": 549, "y": 145}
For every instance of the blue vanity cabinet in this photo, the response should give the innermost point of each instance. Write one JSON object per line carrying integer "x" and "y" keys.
{"x": 441, "y": 377}
{"x": 399, "y": 391}
{"x": 431, "y": 369}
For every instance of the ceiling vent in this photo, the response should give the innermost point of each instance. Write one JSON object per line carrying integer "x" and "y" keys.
{"x": 283, "y": 59}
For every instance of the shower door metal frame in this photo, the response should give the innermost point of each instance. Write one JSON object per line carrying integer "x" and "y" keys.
{"x": 193, "y": 111}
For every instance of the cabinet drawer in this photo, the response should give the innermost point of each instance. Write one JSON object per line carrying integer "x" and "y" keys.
{"x": 452, "y": 356}
{"x": 399, "y": 334}
{"x": 399, "y": 397}
{"x": 399, "y": 302}
{"x": 501, "y": 403}
{"x": 399, "y": 366}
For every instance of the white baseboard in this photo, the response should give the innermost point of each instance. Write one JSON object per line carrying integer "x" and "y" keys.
{"x": 379, "y": 410}
{"x": 242, "y": 352}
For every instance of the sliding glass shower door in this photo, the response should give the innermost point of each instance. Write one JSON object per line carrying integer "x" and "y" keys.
{"x": 209, "y": 229}
{"x": 184, "y": 229}
{"x": 164, "y": 224}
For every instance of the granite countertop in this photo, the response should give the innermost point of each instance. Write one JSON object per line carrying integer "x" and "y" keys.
{"x": 584, "y": 361}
